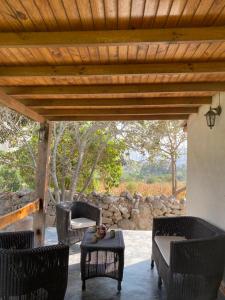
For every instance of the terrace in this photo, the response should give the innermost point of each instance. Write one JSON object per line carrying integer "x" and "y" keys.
{"x": 119, "y": 60}
{"x": 139, "y": 280}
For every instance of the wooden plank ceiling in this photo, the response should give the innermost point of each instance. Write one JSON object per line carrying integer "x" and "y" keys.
{"x": 111, "y": 59}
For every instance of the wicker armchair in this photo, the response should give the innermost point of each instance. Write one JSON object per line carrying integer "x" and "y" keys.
{"x": 192, "y": 268}
{"x": 69, "y": 212}
{"x": 31, "y": 273}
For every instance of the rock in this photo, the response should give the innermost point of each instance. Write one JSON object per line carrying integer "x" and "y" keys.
{"x": 126, "y": 195}
{"x": 163, "y": 197}
{"x": 157, "y": 213}
{"x": 141, "y": 218}
{"x": 107, "y": 220}
{"x": 138, "y": 196}
{"x": 107, "y": 213}
{"x": 136, "y": 204}
{"x": 149, "y": 199}
{"x": 126, "y": 224}
{"x": 157, "y": 204}
{"x": 95, "y": 194}
{"x": 117, "y": 216}
{"x": 126, "y": 216}
{"x": 123, "y": 210}
{"x": 114, "y": 209}
{"x": 163, "y": 209}
{"x": 104, "y": 206}
{"x": 109, "y": 199}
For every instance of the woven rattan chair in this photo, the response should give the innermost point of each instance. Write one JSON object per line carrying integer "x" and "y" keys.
{"x": 28, "y": 273}
{"x": 73, "y": 219}
{"x": 192, "y": 265}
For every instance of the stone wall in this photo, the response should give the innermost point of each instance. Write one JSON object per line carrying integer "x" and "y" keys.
{"x": 12, "y": 201}
{"x": 125, "y": 211}
{"x": 129, "y": 212}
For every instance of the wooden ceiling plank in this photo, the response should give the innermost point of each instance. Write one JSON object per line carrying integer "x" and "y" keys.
{"x": 123, "y": 102}
{"x": 88, "y": 90}
{"x": 11, "y": 103}
{"x": 119, "y": 118}
{"x": 68, "y": 71}
{"x": 111, "y": 37}
{"x": 117, "y": 111}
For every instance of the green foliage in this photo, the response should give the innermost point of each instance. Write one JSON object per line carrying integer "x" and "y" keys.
{"x": 160, "y": 178}
{"x": 20, "y": 159}
{"x": 10, "y": 179}
{"x": 108, "y": 169}
{"x": 110, "y": 166}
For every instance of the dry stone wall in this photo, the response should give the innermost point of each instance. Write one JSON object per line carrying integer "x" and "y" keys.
{"x": 130, "y": 211}
{"x": 12, "y": 201}
{"x": 125, "y": 211}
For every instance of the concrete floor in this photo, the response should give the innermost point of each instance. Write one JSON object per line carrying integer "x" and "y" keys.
{"x": 139, "y": 282}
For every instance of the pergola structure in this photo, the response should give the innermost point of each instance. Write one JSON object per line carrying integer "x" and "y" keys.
{"x": 108, "y": 60}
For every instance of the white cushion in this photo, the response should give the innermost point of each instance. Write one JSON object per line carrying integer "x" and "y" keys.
{"x": 82, "y": 223}
{"x": 163, "y": 242}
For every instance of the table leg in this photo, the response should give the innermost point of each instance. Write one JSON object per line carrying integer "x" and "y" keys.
{"x": 83, "y": 285}
{"x": 119, "y": 285}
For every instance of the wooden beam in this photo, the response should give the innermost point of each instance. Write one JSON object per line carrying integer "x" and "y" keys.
{"x": 8, "y": 101}
{"x": 117, "y": 111}
{"x": 109, "y": 70}
{"x": 115, "y": 102}
{"x": 87, "y": 91}
{"x": 42, "y": 179}
{"x": 19, "y": 214}
{"x": 119, "y": 118}
{"x": 111, "y": 37}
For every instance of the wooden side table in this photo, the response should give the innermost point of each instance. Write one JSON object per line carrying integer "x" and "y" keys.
{"x": 102, "y": 259}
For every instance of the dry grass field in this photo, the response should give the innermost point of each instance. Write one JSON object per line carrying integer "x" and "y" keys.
{"x": 146, "y": 189}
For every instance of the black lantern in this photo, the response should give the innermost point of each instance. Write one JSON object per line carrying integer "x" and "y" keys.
{"x": 211, "y": 116}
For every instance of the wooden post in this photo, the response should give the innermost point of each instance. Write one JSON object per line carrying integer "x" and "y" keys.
{"x": 42, "y": 179}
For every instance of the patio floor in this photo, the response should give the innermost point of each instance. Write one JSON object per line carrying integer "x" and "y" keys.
{"x": 139, "y": 282}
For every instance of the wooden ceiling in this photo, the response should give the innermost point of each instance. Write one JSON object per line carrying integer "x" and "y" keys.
{"x": 111, "y": 59}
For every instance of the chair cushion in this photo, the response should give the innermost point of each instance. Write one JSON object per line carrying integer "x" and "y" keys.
{"x": 82, "y": 223}
{"x": 163, "y": 242}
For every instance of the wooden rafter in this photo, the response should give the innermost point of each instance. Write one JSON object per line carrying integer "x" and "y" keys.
{"x": 115, "y": 102}
{"x": 110, "y": 70}
{"x": 119, "y": 117}
{"x": 117, "y": 111}
{"x": 27, "y": 92}
{"x": 8, "y": 101}
{"x": 112, "y": 37}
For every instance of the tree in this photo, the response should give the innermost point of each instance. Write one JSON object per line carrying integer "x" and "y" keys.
{"x": 79, "y": 151}
{"x": 164, "y": 140}
{"x": 10, "y": 179}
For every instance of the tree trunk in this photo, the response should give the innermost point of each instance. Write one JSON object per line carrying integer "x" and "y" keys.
{"x": 88, "y": 181}
{"x": 75, "y": 175}
{"x": 174, "y": 174}
{"x": 54, "y": 162}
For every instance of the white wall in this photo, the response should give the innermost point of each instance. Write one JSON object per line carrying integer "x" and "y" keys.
{"x": 206, "y": 166}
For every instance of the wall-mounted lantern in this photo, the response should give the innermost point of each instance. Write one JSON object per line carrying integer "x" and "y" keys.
{"x": 211, "y": 115}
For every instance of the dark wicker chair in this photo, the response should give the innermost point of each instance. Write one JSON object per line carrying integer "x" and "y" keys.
{"x": 67, "y": 211}
{"x": 196, "y": 264}
{"x": 28, "y": 273}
